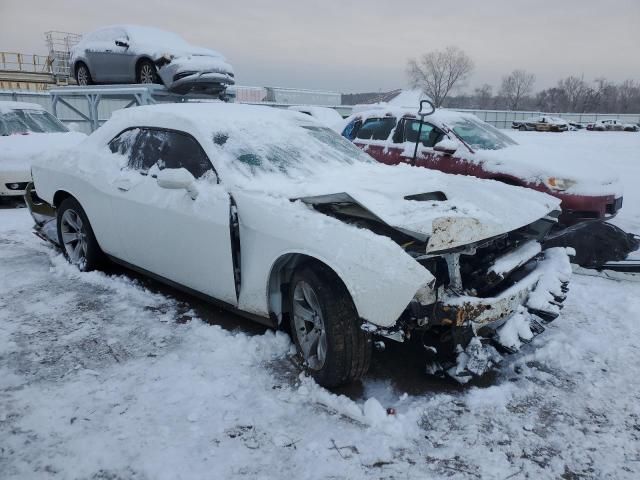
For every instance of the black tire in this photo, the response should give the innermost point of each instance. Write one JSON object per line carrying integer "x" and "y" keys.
{"x": 146, "y": 72}
{"x": 348, "y": 347}
{"x": 90, "y": 255}
{"x": 522, "y": 128}
{"x": 83, "y": 75}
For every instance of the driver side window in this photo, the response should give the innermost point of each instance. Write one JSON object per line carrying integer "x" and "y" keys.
{"x": 149, "y": 147}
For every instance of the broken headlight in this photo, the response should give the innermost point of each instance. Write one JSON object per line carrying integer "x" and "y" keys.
{"x": 559, "y": 184}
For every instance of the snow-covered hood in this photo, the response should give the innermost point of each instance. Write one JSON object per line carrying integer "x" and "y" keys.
{"x": 458, "y": 210}
{"x": 18, "y": 151}
{"x": 536, "y": 165}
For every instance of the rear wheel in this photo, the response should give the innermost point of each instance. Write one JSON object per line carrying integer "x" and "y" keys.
{"x": 325, "y": 327}
{"x": 83, "y": 76}
{"x": 76, "y": 237}
{"x": 146, "y": 72}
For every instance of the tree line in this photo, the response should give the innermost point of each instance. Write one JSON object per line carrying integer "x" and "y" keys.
{"x": 442, "y": 74}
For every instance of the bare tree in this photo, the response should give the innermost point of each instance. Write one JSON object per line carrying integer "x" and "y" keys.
{"x": 516, "y": 86}
{"x": 483, "y": 96}
{"x": 437, "y": 73}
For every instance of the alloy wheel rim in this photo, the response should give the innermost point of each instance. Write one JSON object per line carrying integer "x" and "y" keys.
{"x": 82, "y": 76}
{"x": 146, "y": 74}
{"x": 74, "y": 238}
{"x": 309, "y": 325}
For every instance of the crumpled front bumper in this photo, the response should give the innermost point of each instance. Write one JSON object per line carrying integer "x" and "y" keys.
{"x": 483, "y": 327}
{"x": 185, "y": 74}
{"x": 540, "y": 289}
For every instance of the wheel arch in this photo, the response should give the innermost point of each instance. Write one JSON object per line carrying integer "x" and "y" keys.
{"x": 60, "y": 196}
{"x": 280, "y": 275}
{"x": 143, "y": 58}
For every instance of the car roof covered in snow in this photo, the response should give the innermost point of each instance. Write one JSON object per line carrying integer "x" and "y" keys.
{"x": 150, "y": 40}
{"x": 441, "y": 115}
{"x": 10, "y": 106}
{"x": 206, "y": 117}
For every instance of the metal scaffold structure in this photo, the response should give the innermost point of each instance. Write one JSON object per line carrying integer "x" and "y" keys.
{"x": 59, "y": 45}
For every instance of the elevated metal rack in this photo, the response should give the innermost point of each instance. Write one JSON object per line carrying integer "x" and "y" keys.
{"x": 74, "y": 98}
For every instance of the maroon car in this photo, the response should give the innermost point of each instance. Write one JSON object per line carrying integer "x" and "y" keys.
{"x": 460, "y": 143}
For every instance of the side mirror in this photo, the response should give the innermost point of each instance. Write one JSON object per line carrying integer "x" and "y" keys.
{"x": 122, "y": 43}
{"x": 446, "y": 146}
{"x": 176, "y": 179}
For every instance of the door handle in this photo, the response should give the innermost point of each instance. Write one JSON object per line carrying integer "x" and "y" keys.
{"x": 123, "y": 184}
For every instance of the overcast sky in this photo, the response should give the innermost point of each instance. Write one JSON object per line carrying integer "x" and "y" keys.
{"x": 363, "y": 45}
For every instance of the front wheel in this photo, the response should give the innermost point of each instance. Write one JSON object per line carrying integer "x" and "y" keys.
{"x": 325, "y": 327}
{"x": 146, "y": 72}
{"x": 76, "y": 237}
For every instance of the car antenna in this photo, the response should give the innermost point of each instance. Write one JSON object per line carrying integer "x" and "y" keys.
{"x": 422, "y": 113}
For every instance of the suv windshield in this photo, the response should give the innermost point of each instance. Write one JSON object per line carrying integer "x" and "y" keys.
{"x": 301, "y": 152}
{"x": 29, "y": 121}
{"x": 480, "y": 135}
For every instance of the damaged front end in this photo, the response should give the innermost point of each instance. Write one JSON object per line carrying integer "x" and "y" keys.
{"x": 489, "y": 297}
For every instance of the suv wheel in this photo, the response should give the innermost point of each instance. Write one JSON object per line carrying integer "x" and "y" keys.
{"x": 326, "y": 329}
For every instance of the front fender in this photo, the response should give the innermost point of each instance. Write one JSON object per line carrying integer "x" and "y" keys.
{"x": 380, "y": 277}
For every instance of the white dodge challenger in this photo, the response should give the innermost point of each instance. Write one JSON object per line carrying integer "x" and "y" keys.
{"x": 280, "y": 219}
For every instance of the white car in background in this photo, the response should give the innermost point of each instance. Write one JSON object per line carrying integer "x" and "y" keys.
{"x": 273, "y": 215}
{"x": 325, "y": 115}
{"x": 138, "y": 54}
{"x": 26, "y": 131}
{"x": 612, "y": 124}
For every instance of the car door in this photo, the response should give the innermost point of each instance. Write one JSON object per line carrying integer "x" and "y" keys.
{"x": 109, "y": 62}
{"x": 166, "y": 231}
{"x": 427, "y": 157}
{"x": 374, "y": 137}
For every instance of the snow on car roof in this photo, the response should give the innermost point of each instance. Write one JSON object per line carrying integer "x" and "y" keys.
{"x": 152, "y": 40}
{"x": 6, "y": 107}
{"x": 441, "y": 115}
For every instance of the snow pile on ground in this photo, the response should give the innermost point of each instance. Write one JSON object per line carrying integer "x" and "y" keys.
{"x": 101, "y": 377}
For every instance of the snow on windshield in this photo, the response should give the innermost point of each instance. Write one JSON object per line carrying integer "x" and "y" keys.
{"x": 480, "y": 135}
{"x": 15, "y": 122}
{"x": 298, "y": 152}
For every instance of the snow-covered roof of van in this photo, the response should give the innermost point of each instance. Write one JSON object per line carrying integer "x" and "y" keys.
{"x": 6, "y": 107}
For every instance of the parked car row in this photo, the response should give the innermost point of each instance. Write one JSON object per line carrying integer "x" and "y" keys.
{"x": 613, "y": 124}
{"x": 545, "y": 123}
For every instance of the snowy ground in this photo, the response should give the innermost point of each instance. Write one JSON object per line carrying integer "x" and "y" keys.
{"x": 107, "y": 376}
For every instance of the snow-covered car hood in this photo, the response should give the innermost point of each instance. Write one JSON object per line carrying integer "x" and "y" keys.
{"x": 456, "y": 210}
{"x": 18, "y": 151}
{"x": 536, "y": 165}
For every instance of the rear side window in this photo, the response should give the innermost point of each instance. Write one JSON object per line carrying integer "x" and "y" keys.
{"x": 148, "y": 147}
{"x": 376, "y": 128}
